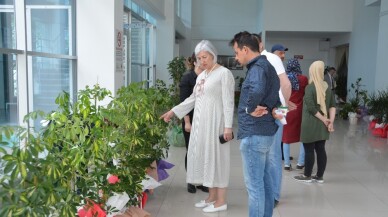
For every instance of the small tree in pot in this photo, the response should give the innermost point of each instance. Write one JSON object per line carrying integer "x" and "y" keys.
{"x": 68, "y": 163}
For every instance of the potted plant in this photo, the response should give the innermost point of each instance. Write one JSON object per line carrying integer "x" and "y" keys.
{"x": 378, "y": 106}
{"x": 176, "y": 68}
{"x": 84, "y": 154}
{"x": 356, "y": 105}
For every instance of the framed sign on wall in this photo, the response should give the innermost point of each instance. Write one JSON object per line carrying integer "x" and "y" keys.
{"x": 229, "y": 62}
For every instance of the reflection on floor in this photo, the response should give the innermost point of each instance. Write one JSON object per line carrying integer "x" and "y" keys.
{"x": 356, "y": 182}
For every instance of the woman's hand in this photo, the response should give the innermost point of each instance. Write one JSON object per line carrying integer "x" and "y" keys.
{"x": 325, "y": 121}
{"x": 228, "y": 134}
{"x": 330, "y": 127}
{"x": 167, "y": 116}
{"x": 188, "y": 127}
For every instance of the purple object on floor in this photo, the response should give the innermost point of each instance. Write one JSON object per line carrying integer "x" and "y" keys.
{"x": 162, "y": 166}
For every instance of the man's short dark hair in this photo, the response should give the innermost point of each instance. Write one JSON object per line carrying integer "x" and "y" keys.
{"x": 331, "y": 68}
{"x": 246, "y": 39}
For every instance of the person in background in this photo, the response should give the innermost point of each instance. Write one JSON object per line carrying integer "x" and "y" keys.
{"x": 330, "y": 78}
{"x": 291, "y": 131}
{"x": 275, "y": 154}
{"x": 260, "y": 88}
{"x": 279, "y": 50}
{"x": 208, "y": 161}
{"x": 186, "y": 87}
{"x": 317, "y": 122}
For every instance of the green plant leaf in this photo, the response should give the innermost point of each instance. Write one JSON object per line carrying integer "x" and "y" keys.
{"x": 8, "y": 157}
{"x": 9, "y": 167}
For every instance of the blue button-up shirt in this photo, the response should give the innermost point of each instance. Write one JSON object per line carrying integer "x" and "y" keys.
{"x": 260, "y": 87}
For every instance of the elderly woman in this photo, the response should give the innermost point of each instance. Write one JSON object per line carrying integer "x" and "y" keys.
{"x": 291, "y": 131}
{"x": 208, "y": 161}
{"x": 317, "y": 122}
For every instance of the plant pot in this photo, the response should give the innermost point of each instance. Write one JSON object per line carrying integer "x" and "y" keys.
{"x": 353, "y": 120}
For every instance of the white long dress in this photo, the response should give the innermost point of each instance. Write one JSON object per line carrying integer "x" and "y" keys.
{"x": 208, "y": 161}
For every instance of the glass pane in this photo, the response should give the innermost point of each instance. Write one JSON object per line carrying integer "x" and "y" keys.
{"x": 49, "y": 2}
{"x": 6, "y": 2}
{"x": 7, "y": 22}
{"x": 136, "y": 73}
{"x": 137, "y": 41}
{"x": 50, "y": 76}
{"x": 50, "y": 31}
{"x": 8, "y": 90}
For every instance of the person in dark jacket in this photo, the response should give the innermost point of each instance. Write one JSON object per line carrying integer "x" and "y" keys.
{"x": 260, "y": 88}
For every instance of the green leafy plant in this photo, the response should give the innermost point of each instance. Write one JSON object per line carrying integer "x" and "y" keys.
{"x": 67, "y": 163}
{"x": 359, "y": 95}
{"x": 378, "y": 105}
{"x": 176, "y": 68}
{"x": 357, "y": 101}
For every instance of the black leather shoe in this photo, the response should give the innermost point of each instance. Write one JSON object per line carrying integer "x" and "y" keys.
{"x": 191, "y": 188}
{"x": 275, "y": 204}
{"x": 203, "y": 188}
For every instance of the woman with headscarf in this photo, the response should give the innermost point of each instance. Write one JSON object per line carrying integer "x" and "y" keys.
{"x": 317, "y": 122}
{"x": 291, "y": 131}
{"x": 208, "y": 161}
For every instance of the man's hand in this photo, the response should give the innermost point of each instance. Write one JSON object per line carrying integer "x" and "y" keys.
{"x": 259, "y": 111}
{"x": 276, "y": 115}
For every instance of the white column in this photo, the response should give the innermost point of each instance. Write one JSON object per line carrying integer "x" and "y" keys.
{"x": 382, "y": 47}
{"x": 99, "y": 22}
{"x": 165, "y": 41}
{"x": 21, "y": 61}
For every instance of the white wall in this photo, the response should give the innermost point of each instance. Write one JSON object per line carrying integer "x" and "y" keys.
{"x": 381, "y": 78}
{"x": 363, "y": 45}
{"x": 308, "y": 47}
{"x": 165, "y": 41}
{"x": 221, "y": 20}
{"x": 308, "y": 15}
{"x": 96, "y": 43}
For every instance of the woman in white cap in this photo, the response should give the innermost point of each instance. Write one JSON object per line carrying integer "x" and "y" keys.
{"x": 208, "y": 161}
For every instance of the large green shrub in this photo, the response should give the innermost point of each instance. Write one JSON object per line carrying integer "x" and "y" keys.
{"x": 66, "y": 164}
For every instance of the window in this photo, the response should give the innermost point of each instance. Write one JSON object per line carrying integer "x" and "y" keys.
{"x": 32, "y": 74}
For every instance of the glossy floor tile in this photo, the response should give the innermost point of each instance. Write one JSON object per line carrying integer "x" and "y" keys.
{"x": 356, "y": 182}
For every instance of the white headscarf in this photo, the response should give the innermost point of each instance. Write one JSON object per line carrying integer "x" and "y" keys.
{"x": 316, "y": 77}
{"x": 206, "y": 45}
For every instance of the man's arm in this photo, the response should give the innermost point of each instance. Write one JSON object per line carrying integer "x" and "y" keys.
{"x": 285, "y": 86}
{"x": 257, "y": 83}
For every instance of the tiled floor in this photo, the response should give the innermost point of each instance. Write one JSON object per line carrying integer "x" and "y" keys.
{"x": 356, "y": 182}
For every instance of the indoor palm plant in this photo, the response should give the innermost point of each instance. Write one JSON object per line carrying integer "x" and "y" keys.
{"x": 176, "y": 68}
{"x": 67, "y": 164}
{"x": 357, "y": 101}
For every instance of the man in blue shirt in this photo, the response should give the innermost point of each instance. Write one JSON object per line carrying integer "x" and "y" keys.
{"x": 256, "y": 130}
